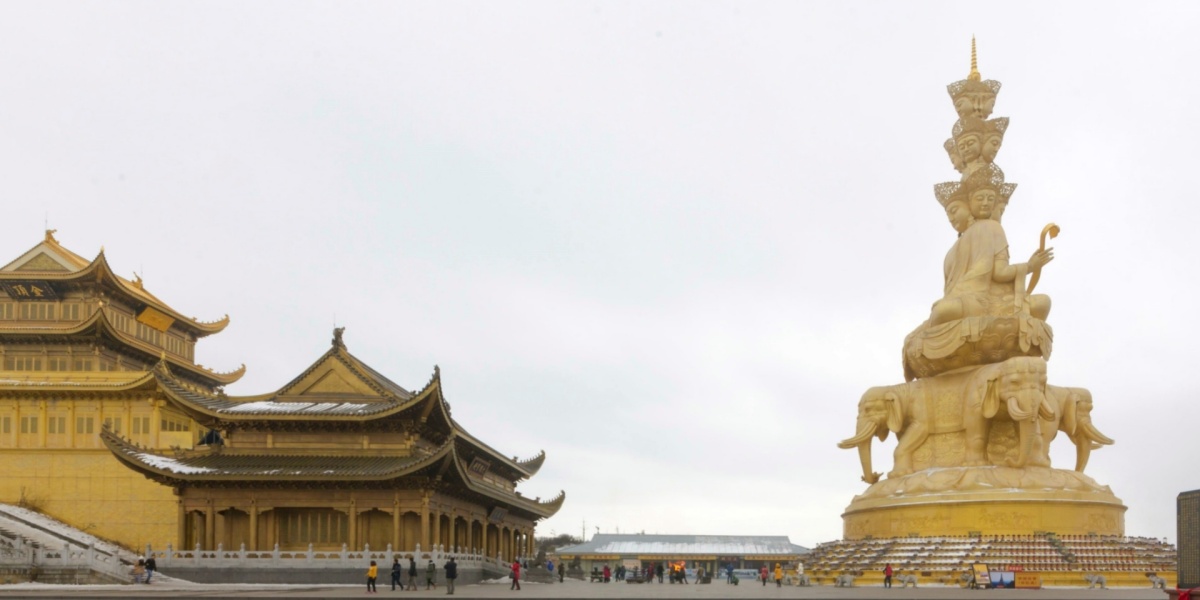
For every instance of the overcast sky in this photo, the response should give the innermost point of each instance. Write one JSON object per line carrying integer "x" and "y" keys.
{"x": 669, "y": 243}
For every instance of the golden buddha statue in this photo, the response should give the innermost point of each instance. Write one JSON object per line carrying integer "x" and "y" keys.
{"x": 984, "y": 314}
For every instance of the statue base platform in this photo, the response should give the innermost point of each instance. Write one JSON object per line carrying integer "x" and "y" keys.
{"x": 991, "y": 500}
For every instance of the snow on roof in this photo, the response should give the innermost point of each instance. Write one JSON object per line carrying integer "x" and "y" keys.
{"x": 170, "y": 464}
{"x": 607, "y": 543}
{"x": 303, "y": 408}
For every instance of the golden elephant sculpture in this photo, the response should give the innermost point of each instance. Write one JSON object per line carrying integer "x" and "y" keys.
{"x": 1073, "y": 416}
{"x": 1013, "y": 390}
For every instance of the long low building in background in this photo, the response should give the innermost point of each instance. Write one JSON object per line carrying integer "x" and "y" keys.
{"x": 710, "y": 552}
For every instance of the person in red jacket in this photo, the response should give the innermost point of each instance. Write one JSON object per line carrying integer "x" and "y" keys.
{"x": 762, "y": 574}
{"x": 516, "y": 576}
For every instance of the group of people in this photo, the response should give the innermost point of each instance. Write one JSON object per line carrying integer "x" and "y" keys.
{"x": 764, "y": 574}
{"x": 398, "y": 572}
{"x": 144, "y": 569}
{"x": 622, "y": 573}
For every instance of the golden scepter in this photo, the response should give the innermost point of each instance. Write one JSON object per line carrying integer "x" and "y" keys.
{"x": 1053, "y": 230}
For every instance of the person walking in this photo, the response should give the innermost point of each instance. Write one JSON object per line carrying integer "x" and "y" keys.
{"x": 397, "y": 571}
{"x": 729, "y": 573}
{"x": 431, "y": 575}
{"x": 607, "y": 573}
{"x": 372, "y": 573}
{"x": 887, "y": 575}
{"x": 778, "y": 575}
{"x": 658, "y": 571}
{"x": 516, "y": 576}
{"x": 139, "y": 571}
{"x": 762, "y": 574}
{"x": 451, "y": 568}
{"x": 151, "y": 567}
{"x": 561, "y": 571}
{"x": 412, "y": 574}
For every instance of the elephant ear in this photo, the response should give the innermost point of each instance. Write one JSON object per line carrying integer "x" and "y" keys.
{"x": 1069, "y": 407}
{"x": 991, "y": 399}
{"x": 895, "y": 415}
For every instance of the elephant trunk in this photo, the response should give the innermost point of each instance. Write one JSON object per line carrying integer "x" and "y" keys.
{"x": 866, "y": 429}
{"x": 1023, "y": 409}
{"x": 1026, "y": 430}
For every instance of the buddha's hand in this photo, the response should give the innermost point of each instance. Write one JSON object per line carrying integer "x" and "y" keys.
{"x": 1040, "y": 258}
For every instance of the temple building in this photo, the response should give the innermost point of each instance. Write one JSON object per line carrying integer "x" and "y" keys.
{"x": 107, "y": 423}
{"x": 713, "y": 553}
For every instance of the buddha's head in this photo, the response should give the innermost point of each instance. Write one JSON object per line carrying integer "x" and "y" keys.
{"x": 985, "y": 192}
{"x": 955, "y": 157}
{"x": 982, "y": 202}
{"x": 978, "y": 140}
{"x": 991, "y": 146}
{"x": 960, "y": 215}
{"x": 974, "y": 97}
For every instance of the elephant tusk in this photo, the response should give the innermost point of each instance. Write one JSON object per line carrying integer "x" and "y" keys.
{"x": 1014, "y": 410}
{"x": 862, "y": 437}
{"x": 1094, "y": 434}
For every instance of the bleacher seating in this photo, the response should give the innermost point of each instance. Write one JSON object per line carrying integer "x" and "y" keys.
{"x": 940, "y": 559}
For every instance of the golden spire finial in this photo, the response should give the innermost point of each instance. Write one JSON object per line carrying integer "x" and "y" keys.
{"x": 974, "y": 76}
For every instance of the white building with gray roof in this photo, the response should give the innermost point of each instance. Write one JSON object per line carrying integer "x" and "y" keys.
{"x": 710, "y": 552}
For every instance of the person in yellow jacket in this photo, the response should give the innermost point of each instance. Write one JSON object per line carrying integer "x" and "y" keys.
{"x": 372, "y": 573}
{"x": 778, "y": 575}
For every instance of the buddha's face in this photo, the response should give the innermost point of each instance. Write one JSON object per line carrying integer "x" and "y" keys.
{"x": 982, "y": 103}
{"x": 955, "y": 158}
{"x": 991, "y": 147}
{"x": 959, "y": 215}
{"x": 983, "y": 202}
{"x": 964, "y": 106}
{"x": 969, "y": 146}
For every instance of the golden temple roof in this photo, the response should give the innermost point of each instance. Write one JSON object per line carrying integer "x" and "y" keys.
{"x": 336, "y": 391}
{"x": 215, "y": 468}
{"x": 50, "y": 261}
{"x": 99, "y": 324}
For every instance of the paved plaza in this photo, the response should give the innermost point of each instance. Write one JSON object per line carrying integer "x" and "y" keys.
{"x": 570, "y": 589}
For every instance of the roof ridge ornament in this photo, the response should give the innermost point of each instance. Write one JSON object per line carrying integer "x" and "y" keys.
{"x": 337, "y": 338}
{"x": 50, "y": 235}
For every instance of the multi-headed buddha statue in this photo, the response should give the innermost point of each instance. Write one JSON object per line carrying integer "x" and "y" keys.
{"x": 984, "y": 315}
{"x": 975, "y": 416}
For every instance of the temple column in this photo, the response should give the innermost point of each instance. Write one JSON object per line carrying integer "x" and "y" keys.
{"x": 425, "y": 521}
{"x": 155, "y": 421}
{"x": 436, "y": 515}
{"x": 396, "y": 523}
{"x": 483, "y": 546}
{"x": 45, "y": 424}
{"x": 210, "y": 525}
{"x": 253, "y": 525}
{"x": 453, "y": 518}
{"x": 71, "y": 424}
{"x": 181, "y": 525}
{"x": 353, "y": 519}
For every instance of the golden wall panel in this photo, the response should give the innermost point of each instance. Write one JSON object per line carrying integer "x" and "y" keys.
{"x": 90, "y": 490}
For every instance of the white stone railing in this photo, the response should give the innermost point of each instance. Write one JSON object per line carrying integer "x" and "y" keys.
{"x": 22, "y": 553}
{"x": 317, "y": 559}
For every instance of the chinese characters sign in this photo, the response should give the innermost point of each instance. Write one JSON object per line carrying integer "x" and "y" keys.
{"x": 28, "y": 290}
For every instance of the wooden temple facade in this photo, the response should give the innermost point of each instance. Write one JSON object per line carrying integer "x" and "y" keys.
{"x": 109, "y": 424}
